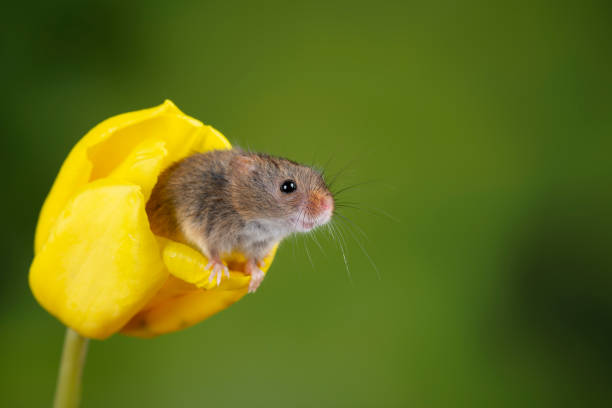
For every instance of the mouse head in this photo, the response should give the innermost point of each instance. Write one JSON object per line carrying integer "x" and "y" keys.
{"x": 280, "y": 191}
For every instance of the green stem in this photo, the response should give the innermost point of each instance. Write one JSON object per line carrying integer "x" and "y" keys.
{"x": 68, "y": 391}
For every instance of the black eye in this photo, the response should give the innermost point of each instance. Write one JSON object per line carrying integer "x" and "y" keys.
{"x": 288, "y": 186}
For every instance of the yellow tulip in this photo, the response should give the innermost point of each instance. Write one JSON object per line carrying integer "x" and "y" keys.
{"x": 97, "y": 266}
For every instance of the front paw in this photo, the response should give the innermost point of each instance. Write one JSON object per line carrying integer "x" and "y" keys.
{"x": 257, "y": 276}
{"x": 217, "y": 269}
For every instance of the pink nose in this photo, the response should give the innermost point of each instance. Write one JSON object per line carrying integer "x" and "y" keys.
{"x": 326, "y": 203}
{"x": 321, "y": 203}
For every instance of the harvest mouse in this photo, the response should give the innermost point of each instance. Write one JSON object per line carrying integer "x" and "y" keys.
{"x": 231, "y": 200}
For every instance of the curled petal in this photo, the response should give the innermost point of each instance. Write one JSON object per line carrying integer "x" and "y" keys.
{"x": 101, "y": 263}
{"x": 181, "y": 311}
{"x": 183, "y": 301}
{"x": 106, "y": 147}
{"x": 143, "y": 165}
{"x": 189, "y": 265}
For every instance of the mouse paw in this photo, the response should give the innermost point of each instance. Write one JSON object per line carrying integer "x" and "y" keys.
{"x": 217, "y": 270}
{"x": 257, "y": 275}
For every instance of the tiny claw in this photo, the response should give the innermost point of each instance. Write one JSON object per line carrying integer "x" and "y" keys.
{"x": 257, "y": 277}
{"x": 217, "y": 269}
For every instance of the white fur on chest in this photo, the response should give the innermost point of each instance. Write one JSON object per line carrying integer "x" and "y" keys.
{"x": 256, "y": 238}
{"x": 263, "y": 230}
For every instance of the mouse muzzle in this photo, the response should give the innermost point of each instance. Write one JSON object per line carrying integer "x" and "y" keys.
{"x": 317, "y": 211}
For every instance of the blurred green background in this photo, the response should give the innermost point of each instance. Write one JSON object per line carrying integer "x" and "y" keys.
{"x": 485, "y": 127}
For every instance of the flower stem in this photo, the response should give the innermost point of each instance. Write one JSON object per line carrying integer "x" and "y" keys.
{"x": 68, "y": 391}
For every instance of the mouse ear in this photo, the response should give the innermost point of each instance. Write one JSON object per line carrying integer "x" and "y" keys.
{"x": 244, "y": 163}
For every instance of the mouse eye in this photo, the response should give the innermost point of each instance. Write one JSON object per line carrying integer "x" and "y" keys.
{"x": 288, "y": 186}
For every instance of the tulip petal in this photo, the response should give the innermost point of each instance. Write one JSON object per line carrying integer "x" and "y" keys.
{"x": 101, "y": 263}
{"x": 213, "y": 140}
{"x": 181, "y": 312}
{"x": 180, "y": 303}
{"x": 108, "y": 145}
{"x": 143, "y": 165}
{"x": 189, "y": 265}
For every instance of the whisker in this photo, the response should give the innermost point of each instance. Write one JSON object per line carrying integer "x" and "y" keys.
{"x": 324, "y": 169}
{"x": 362, "y": 247}
{"x": 335, "y": 193}
{"x": 375, "y": 211}
{"x": 297, "y": 219}
{"x": 313, "y": 236}
{"x": 293, "y": 244}
{"x": 357, "y": 227}
{"x": 308, "y": 254}
{"x": 342, "y": 202}
{"x": 339, "y": 173}
{"x": 342, "y": 244}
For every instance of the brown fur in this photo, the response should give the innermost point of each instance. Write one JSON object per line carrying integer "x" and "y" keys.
{"x": 229, "y": 200}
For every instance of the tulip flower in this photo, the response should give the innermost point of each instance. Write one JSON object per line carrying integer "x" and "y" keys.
{"x": 98, "y": 267}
